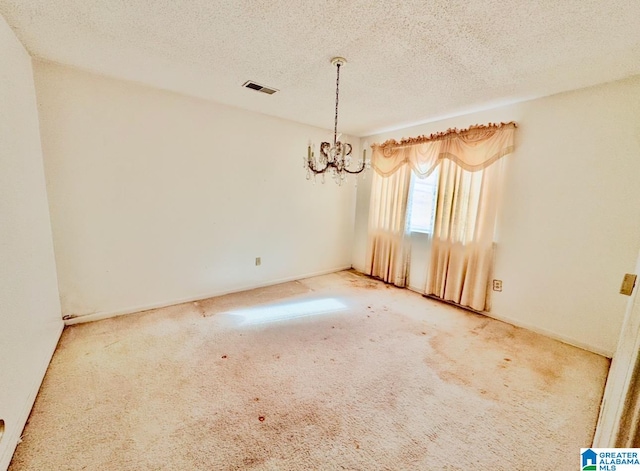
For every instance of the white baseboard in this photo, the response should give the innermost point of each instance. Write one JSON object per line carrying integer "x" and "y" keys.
{"x": 11, "y": 441}
{"x": 132, "y": 310}
{"x": 539, "y": 330}
{"x": 554, "y": 335}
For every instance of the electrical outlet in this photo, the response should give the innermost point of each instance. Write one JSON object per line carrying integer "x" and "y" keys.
{"x": 258, "y": 261}
{"x": 497, "y": 285}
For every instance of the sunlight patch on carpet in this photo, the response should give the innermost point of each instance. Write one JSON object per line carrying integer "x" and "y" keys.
{"x": 285, "y": 311}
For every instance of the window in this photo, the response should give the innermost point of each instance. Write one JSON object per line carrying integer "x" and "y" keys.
{"x": 422, "y": 204}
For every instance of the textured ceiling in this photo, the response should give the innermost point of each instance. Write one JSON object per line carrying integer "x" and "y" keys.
{"x": 409, "y": 61}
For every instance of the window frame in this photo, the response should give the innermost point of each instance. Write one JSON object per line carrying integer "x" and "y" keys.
{"x": 410, "y": 206}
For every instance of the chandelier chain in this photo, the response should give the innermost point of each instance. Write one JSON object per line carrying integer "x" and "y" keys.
{"x": 335, "y": 123}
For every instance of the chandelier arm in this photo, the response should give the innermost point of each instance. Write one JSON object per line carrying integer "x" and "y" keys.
{"x": 312, "y": 167}
{"x": 363, "y": 165}
{"x": 353, "y": 172}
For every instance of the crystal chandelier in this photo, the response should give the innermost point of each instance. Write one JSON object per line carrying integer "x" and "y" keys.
{"x": 335, "y": 158}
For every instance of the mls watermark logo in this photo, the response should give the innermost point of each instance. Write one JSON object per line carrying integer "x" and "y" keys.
{"x": 609, "y": 459}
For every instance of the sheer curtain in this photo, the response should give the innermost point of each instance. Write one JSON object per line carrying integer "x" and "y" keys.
{"x": 469, "y": 191}
{"x": 388, "y": 250}
{"x": 462, "y": 247}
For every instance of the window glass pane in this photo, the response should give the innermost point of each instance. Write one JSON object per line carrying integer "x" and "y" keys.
{"x": 423, "y": 203}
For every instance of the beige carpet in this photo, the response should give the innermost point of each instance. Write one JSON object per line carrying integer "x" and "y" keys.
{"x": 384, "y": 379}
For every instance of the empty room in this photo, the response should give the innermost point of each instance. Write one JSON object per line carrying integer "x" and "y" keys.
{"x": 318, "y": 235}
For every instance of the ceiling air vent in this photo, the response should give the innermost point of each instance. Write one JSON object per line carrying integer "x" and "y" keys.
{"x": 259, "y": 88}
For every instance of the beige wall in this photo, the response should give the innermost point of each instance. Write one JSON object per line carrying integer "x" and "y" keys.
{"x": 569, "y": 228}
{"x": 158, "y": 198}
{"x": 30, "y": 321}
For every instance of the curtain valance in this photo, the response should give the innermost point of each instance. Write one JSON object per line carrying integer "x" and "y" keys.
{"x": 472, "y": 149}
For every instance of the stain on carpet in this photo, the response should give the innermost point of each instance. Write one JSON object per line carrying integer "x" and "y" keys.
{"x": 393, "y": 381}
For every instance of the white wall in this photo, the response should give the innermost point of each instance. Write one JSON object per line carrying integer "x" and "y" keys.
{"x": 157, "y": 197}
{"x": 30, "y": 320}
{"x": 569, "y": 229}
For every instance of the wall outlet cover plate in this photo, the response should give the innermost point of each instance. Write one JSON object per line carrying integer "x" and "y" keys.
{"x": 628, "y": 283}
